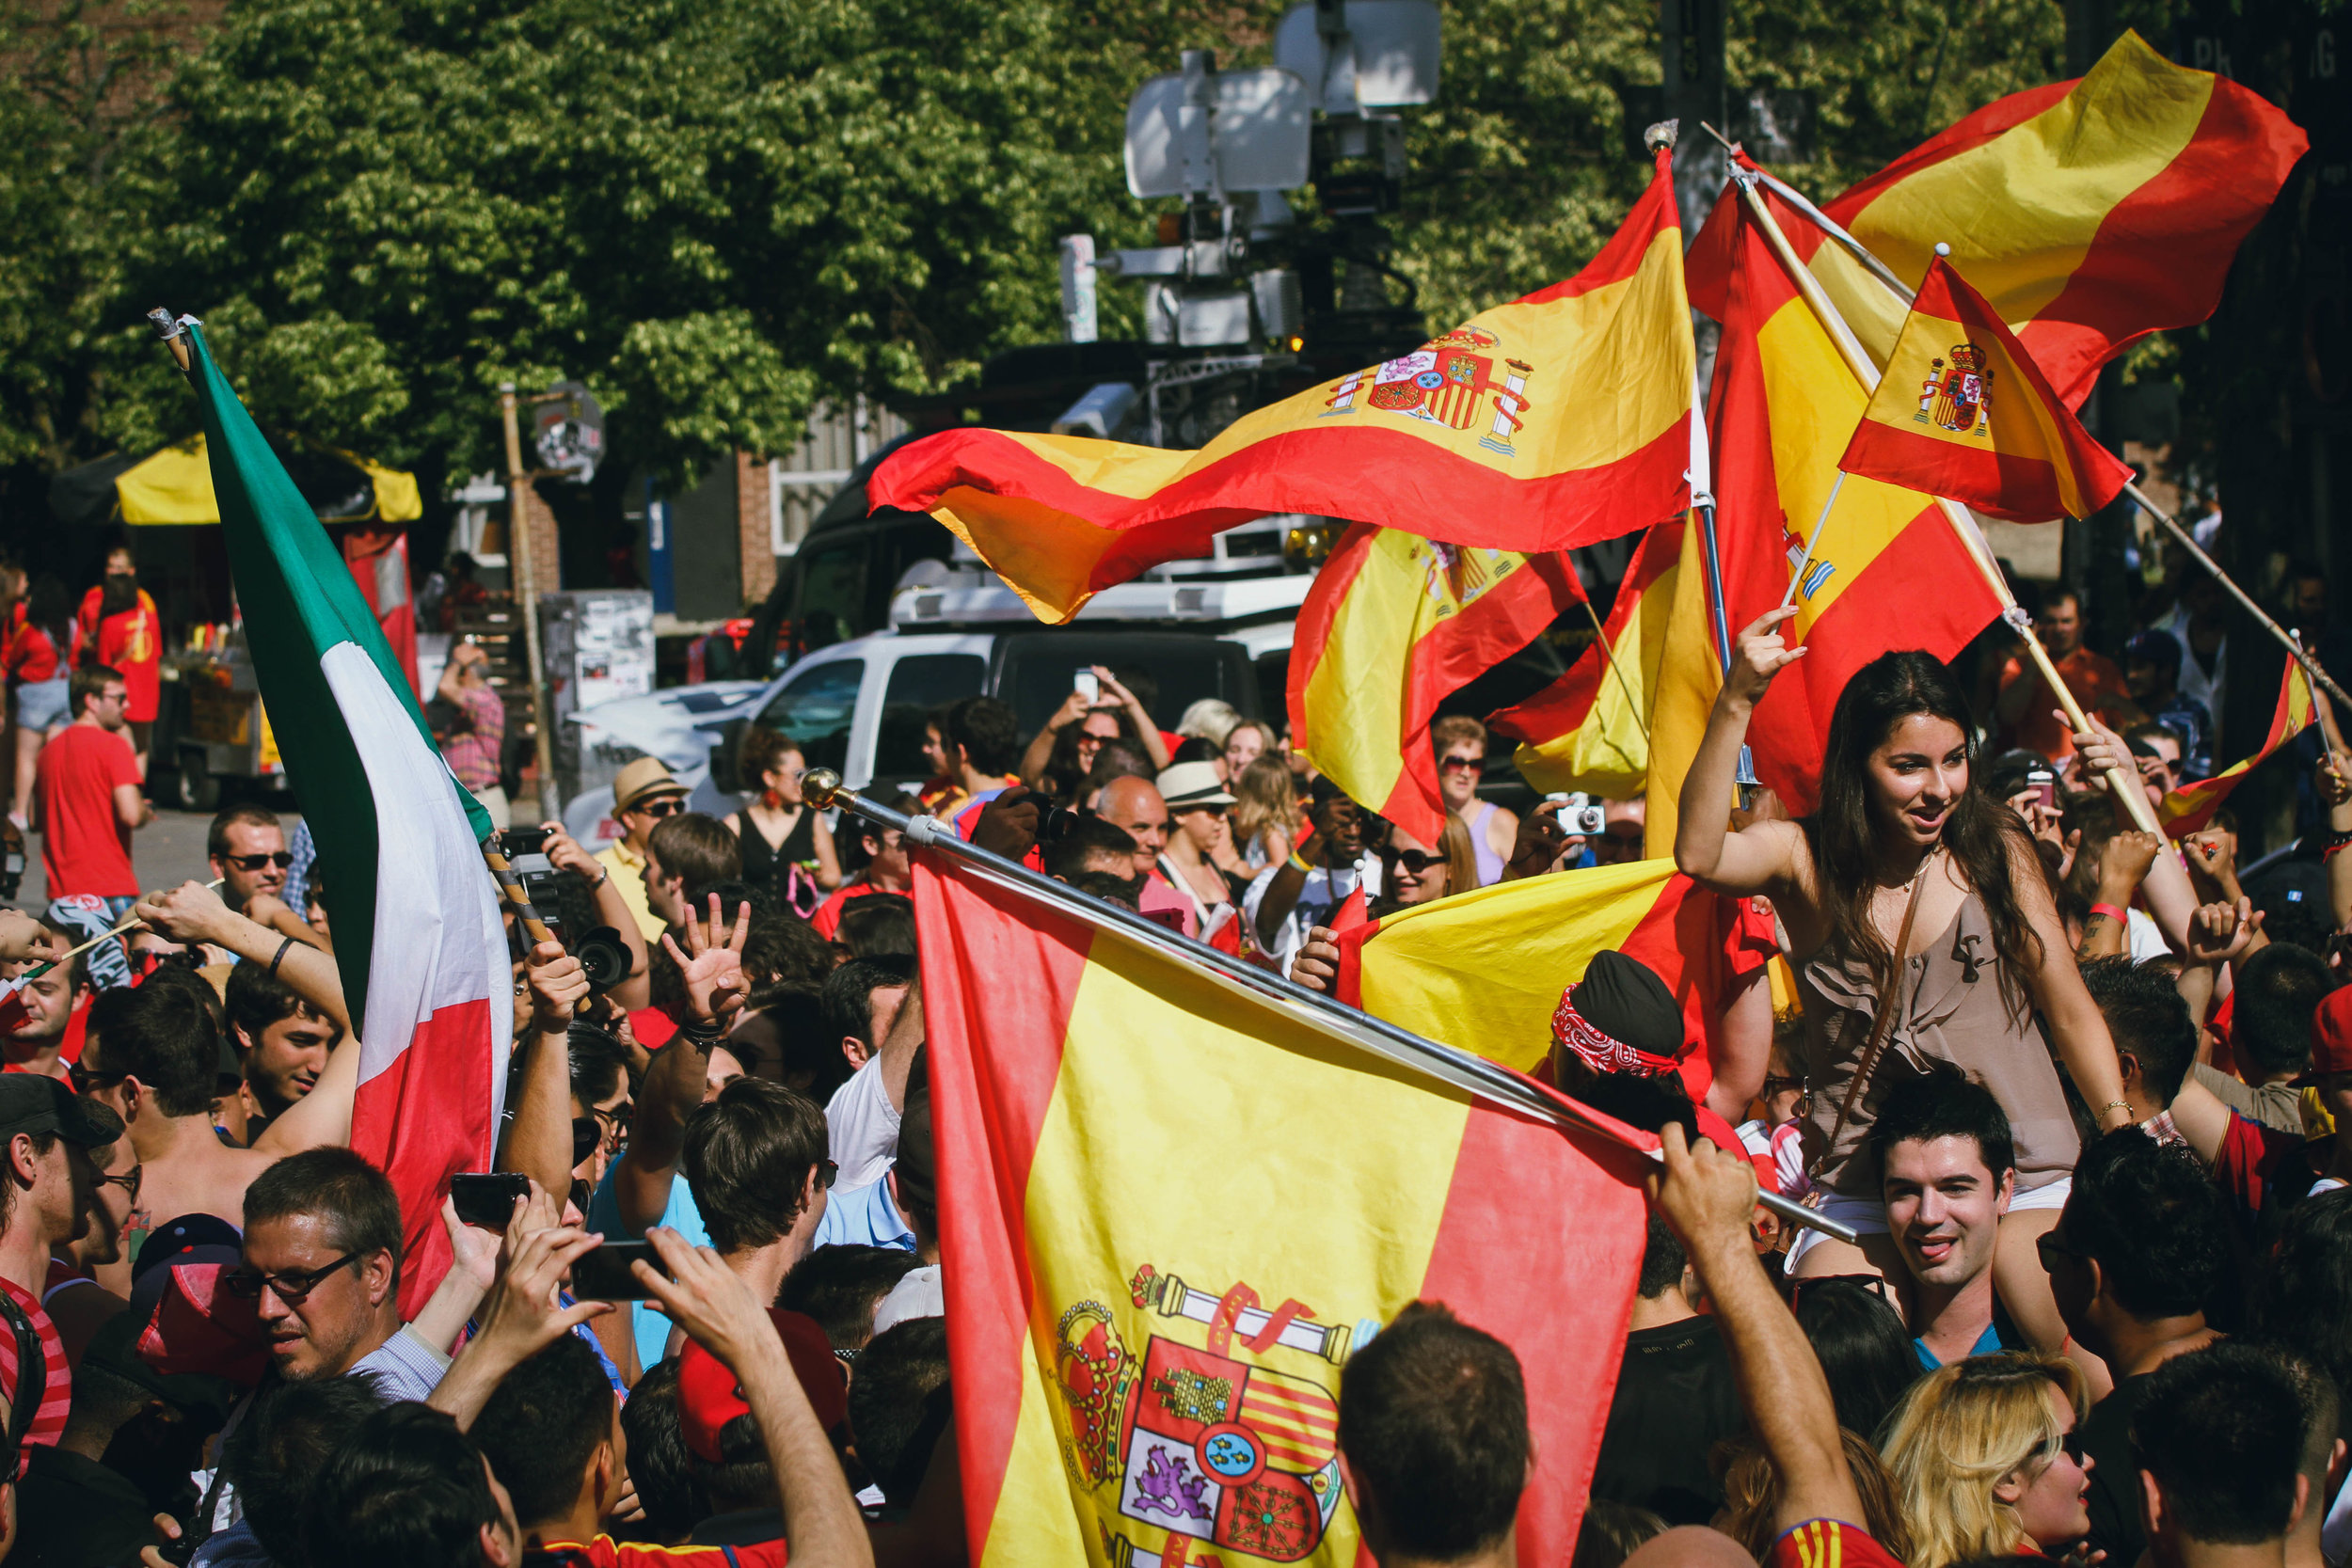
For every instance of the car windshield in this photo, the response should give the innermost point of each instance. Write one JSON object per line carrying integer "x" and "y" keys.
{"x": 814, "y": 709}
{"x": 920, "y": 686}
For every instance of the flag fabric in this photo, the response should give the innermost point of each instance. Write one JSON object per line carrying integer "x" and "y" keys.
{"x": 1963, "y": 412}
{"x": 2091, "y": 213}
{"x": 1589, "y": 730}
{"x": 2187, "y": 809}
{"x": 1392, "y": 625}
{"x": 1172, "y": 1220}
{"x": 1553, "y": 422}
{"x": 1887, "y": 571}
{"x": 1689, "y": 672}
{"x": 1482, "y": 970}
{"x": 417, "y": 937}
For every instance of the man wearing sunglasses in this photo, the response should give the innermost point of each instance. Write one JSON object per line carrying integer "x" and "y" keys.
{"x": 249, "y": 854}
{"x": 45, "y": 1198}
{"x": 643, "y": 795}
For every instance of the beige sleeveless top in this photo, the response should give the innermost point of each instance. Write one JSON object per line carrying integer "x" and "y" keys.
{"x": 1950, "y": 1012}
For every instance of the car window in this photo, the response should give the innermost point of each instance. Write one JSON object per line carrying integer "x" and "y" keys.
{"x": 919, "y": 684}
{"x": 814, "y": 709}
{"x": 1040, "y": 667}
{"x": 833, "y": 594}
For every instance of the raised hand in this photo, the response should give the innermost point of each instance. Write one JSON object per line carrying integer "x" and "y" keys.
{"x": 24, "y": 939}
{"x": 564, "y": 852}
{"x": 713, "y": 966}
{"x": 188, "y": 915}
{"x": 558, "y": 986}
{"x": 2219, "y": 933}
{"x": 1316, "y": 966}
{"x": 1762, "y": 653}
{"x": 2123, "y": 864}
{"x": 1540, "y": 843}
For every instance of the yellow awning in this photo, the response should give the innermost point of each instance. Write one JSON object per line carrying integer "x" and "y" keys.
{"x": 175, "y": 487}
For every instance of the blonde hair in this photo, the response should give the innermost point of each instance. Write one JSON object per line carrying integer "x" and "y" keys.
{"x": 1752, "y": 1495}
{"x": 1209, "y": 719}
{"x": 1264, "y": 797}
{"x": 1461, "y": 861}
{"x": 1962, "y": 1431}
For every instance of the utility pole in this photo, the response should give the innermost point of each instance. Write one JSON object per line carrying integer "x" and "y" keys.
{"x": 527, "y": 601}
{"x": 1690, "y": 61}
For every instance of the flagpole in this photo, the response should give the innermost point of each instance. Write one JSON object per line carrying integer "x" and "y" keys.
{"x": 1610, "y": 654}
{"x": 1797, "y": 575}
{"x": 1896, "y": 286}
{"x": 1442, "y": 1063}
{"x": 45, "y": 966}
{"x": 2126, "y": 785}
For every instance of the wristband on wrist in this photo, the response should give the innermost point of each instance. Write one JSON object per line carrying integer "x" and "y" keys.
{"x": 700, "y": 1033}
{"x": 1299, "y": 860}
{"x": 282, "y": 949}
{"x": 2112, "y": 912}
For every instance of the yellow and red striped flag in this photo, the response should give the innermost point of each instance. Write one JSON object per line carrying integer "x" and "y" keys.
{"x": 1553, "y": 422}
{"x": 2091, "y": 212}
{"x": 1170, "y": 1225}
{"x": 1963, "y": 412}
{"x": 1394, "y": 624}
{"x": 1482, "y": 970}
{"x": 2187, "y": 809}
{"x": 1589, "y": 730}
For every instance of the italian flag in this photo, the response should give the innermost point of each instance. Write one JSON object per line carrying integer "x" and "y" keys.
{"x": 417, "y": 935}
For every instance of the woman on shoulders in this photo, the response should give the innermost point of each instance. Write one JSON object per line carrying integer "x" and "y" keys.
{"x": 1899, "y": 894}
{"x": 787, "y": 846}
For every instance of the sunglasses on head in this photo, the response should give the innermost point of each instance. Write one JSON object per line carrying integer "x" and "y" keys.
{"x": 254, "y": 863}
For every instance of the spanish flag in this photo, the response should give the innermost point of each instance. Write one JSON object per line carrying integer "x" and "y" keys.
{"x": 2091, "y": 213}
{"x": 1963, "y": 412}
{"x": 2187, "y": 809}
{"x": 1589, "y": 730}
{"x": 1549, "y": 422}
{"x": 1886, "y": 572}
{"x": 1393, "y": 624}
{"x": 1484, "y": 971}
{"x": 1174, "y": 1208}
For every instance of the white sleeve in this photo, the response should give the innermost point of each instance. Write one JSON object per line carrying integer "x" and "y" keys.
{"x": 2145, "y": 938}
{"x": 862, "y": 1126}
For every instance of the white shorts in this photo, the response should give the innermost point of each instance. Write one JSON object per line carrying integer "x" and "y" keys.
{"x": 1867, "y": 1215}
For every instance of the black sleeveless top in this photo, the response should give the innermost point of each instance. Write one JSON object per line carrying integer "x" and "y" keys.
{"x": 770, "y": 866}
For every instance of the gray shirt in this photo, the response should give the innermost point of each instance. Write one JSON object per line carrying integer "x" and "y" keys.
{"x": 2278, "y": 1106}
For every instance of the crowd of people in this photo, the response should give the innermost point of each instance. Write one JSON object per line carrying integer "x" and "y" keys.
{"x": 2084, "y": 1099}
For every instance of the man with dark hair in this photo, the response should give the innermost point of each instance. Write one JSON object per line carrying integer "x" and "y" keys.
{"x": 860, "y": 998}
{"x": 322, "y": 1263}
{"x": 1675, "y": 1398}
{"x": 1947, "y": 1163}
{"x": 551, "y": 1432}
{"x": 1287, "y": 901}
{"x": 878, "y": 926}
{"x": 408, "y": 1490}
{"x": 2140, "y": 1247}
{"x": 913, "y": 1181}
{"x": 2151, "y": 673}
{"x": 687, "y": 850}
{"x": 271, "y": 1457}
{"x": 87, "y": 796}
{"x": 900, "y": 1406}
{"x": 658, "y": 1466}
{"x": 2156, "y": 1039}
{"x": 1434, "y": 1444}
{"x": 247, "y": 848}
{"x": 2217, "y": 1442}
{"x": 983, "y": 743}
{"x": 46, "y": 1134}
{"x": 2277, "y": 988}
{"x": 755, "y": 1160}
{"x": 37, "y": 1044}
{"x": 282, "y": 1041}
{"x": 1091, "y": 844}
{"x": 876, "y": 857}
{"x": 862, "y": 1115}
{"x": 837, "y": 1287}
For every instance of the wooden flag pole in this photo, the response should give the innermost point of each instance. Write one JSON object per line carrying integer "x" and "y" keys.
{"x": 511, "y": 885}
{"x": 1896, "y": 286}
{"x": 46, "y": 965}
{"x": 2125, "y": 783}
{"x": 1608, "y": 653}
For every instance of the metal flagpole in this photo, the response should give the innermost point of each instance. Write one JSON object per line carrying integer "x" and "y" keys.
{"x": 1796, "y": 573}
{"x": 2125, "y": 784}
{"x": 1361, "y": 1030}
{"x": 1902, "y": 291}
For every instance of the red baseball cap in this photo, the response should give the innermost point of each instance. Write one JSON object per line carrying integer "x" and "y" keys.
{"x": 710, "y": 1397}
{"x": 2331, "y": 1035}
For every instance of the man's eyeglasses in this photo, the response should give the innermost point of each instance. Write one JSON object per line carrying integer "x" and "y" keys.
{"x": 290, "y": 1287}
{"x": 1414, "y": 861}
{"x": 2048, "y": 1245}
{"x": 666, "y": 806}
{"x": 83, "y": 1080}
{"x": 128, "y": 1180}
{"x": 1875, "y": 1284}
{"x": 254, "y": 863}
{"x": 826, "y": 1171}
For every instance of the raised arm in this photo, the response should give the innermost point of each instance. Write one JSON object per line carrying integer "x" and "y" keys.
{"x": 564, "y": 853}
{"x": 1147, "y": 730}
{"x": 2334, "y": 781}
{"x": 714, "y": 995}
{"x": 540, "y": 1143}
{"x": 1707, "y": 1196}
{"x": 900, "y": 1045}
{"x": 2170, "y": 899}
{"x": 2123, "y": 864}
{"x": 1041, "y": 752}
{"x": 1762, "y": 857}
{"x": 193, "y": 913}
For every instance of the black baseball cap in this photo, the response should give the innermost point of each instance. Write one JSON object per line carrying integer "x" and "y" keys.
{"x": 36, "y": 1102}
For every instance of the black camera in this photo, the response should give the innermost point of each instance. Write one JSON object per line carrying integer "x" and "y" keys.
{"x": 525, "y": 849}
{"x": 603, "y": 955}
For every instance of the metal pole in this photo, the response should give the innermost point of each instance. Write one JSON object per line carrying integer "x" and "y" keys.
{"x": 1796, "y": 575}
{"x": 2126, "y": 785}
{"x": 1345, "y": 1024}
{"x": 527, "y": 601}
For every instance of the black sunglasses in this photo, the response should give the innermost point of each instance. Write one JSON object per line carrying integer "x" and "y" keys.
{"x": 1414, "y": 861}
{"x": 290, "y": 1287}
{"x": 254, "y": 863}
{"x": 83, "y": 1080}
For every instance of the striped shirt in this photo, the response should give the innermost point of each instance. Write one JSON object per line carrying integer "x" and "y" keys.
{"x": 56, "y": 1393}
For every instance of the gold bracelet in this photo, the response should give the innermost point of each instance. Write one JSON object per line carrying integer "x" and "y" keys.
{"x": 2123, "y": 1106}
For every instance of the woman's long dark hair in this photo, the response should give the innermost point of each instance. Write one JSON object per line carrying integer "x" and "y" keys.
{"x": 1980, "y": 831}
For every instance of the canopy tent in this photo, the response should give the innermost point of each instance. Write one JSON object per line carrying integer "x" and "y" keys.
{"x": 174, "y": 486}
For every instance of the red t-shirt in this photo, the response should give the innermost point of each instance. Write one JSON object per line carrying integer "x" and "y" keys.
{"x": 130, "y": 643}
{"x": 26, "y": 652}
{"x": 828, "y": 916}
{"x": 605, "y": 1552}
{"x": 56, "y": 1392}
{"x": 84, "y": 845}
{"x": 1828, "y": 1543}
{"x": 2255, "y": 1162}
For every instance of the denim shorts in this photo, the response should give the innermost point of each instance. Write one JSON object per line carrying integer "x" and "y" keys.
{"x": 41, "y": 703}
